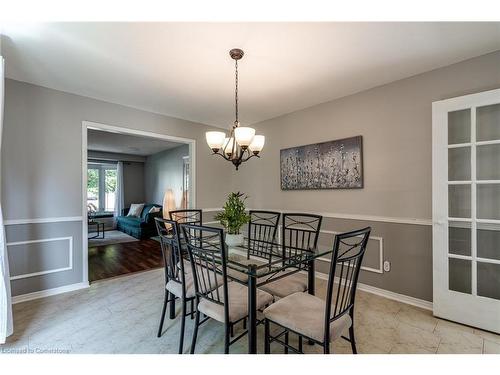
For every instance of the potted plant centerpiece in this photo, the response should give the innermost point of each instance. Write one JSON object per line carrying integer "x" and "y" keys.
{"x": 233, "y": 217}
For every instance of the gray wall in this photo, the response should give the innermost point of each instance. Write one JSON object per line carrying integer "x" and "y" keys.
{"x": 395, "y": 122}
{"x": 42, "y": 166}
{"x": 133, "y": 182}
{"x": 163, "y": 171}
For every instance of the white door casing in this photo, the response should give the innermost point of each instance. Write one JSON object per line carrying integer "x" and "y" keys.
{"x": 466, "y": 306}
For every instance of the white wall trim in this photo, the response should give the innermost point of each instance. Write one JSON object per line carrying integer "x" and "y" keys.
{"x": 49, "y": 292}
{"x": 43, "y": 220}
{"x": 380, "y": 268}
{"x": 423, "y": 304}
{"x": 130, "y": 131}
{"x": 333, "y": 215}
{"x": 45, "y": 272}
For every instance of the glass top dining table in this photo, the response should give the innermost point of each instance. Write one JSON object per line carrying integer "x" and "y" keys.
{"x": 266, "y": 267}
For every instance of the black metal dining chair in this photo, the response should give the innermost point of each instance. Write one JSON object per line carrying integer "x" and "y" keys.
{"x": 189, "y": 216}
{"x": 308, "y": 316}
{"x": 299, "y": 234}
{"x": 216, "y": 298}
{"x": 262, "y": 228}
{"x": 178, "y": 281}
{"x": 260, "y": 242}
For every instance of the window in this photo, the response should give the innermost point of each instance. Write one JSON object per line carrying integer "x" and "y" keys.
{"x": 101, "y": 186}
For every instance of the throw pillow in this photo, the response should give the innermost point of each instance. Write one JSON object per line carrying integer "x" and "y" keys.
{"x": 135, "y": 209}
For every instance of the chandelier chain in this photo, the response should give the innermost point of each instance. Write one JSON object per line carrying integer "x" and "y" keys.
{"x": 236, "y": 90}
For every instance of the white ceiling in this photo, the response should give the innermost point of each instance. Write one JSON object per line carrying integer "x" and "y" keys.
{"x": 98, "y": 140}
{"x": 184, "y": 70}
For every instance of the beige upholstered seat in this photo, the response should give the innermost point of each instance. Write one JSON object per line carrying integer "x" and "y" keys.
{"x": 175, "y": 287}
{"x": 285, "y": 286}
{"x": 238, "y": 303}
{"x": 305, "y": 314}
{"x": 241, "y": 259}
{"x": 187, "y": 266}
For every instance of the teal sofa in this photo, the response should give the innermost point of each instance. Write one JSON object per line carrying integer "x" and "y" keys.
{"x": 139, "y": 227}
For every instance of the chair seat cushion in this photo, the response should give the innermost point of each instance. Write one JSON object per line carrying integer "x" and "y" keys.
{"x": 238, "y": 303}
{"x": 241, "y": 259}
{"x": 296, "y": 282}
{"x": 187, "y": 266}
{"x": 305, "y": 314}
{"x": 175, "y": 287}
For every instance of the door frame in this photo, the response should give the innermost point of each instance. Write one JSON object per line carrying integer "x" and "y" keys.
{"x": 448, "y": 304}
{"x": 86, "y": 125}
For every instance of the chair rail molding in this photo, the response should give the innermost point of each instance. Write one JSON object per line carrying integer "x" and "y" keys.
{"x": 43, "y": 220}
{"x": 45, "y": 272}
{"x": 334, "y": 215}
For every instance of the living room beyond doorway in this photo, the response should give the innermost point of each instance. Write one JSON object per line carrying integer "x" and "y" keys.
{"x": 130, "y": 180}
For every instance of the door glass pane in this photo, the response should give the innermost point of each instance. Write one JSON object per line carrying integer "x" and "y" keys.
{"x": 459, "y": 164}
{"x": 488, "y": 162}
{"x": 488, "y": 123}
{"x": 459, "y": 238}
{"x": 110, "y": 189}
{"x": 459, "y": 201}
{"x": 488, "y": 201}
{"x": 459, "y": 275}
{"x": 93, "y": 189}
{"x": 488, "y": 241}
{"x": 459, "y": 127}
{"x": 488, "y": 280}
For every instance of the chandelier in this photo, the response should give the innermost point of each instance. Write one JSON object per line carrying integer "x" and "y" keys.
{"x": 242, "y": 143}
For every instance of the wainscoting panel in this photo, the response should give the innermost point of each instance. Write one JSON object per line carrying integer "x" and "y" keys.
{"x": 406, "y": 244}
{"x": 44, "y": 255}
{"x": 40, "y": 257}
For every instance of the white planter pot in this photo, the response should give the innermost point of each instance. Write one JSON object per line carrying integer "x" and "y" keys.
{"x": 233, "y": 240}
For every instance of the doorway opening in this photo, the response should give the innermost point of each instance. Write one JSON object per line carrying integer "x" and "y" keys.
{"x": 129, "y": 178}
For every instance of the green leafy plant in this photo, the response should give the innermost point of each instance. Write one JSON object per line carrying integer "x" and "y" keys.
{"x": 233, "y": 215}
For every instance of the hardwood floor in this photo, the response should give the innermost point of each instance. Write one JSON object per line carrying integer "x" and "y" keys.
{"x": 123, "y": 258}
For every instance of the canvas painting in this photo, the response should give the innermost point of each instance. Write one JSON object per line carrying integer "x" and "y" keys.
{"x": 329, "y": 165}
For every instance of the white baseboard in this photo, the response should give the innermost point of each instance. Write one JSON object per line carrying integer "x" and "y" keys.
{"x": 388, "y": 294}
{"x": 48, "y": 292}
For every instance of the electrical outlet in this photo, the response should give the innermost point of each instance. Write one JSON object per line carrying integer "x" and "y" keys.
{"x": 387, "y": 266}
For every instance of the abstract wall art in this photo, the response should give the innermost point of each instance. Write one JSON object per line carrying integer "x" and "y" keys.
{"x": 328, "y": 165}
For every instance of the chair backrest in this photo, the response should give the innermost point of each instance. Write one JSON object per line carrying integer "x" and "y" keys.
{"x": 187, "y": 216}
{"x": 348, "y": 251}
{"x": 169, "y": 233}
{"x": 206, "y": 249}
{"x": 262, "y": 229}
{"x": 299, "y": 233}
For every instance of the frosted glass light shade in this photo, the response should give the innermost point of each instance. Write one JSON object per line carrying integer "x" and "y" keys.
{"x": 215, "y": 140}
{"x": 228, "y": 146}
{"x": 244, "y": 135}
{"x": 257, "y": 143}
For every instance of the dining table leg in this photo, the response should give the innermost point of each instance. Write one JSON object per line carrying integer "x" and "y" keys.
{"x": 310, "y": 277}
{"x": 310, "y": 284}
{"x": 252, "y": 310}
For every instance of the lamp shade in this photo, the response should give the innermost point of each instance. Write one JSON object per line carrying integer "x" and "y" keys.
{"x": 244, "y": 135}
{"x": 257, "y": 143}
{"x": 215, "y": 140}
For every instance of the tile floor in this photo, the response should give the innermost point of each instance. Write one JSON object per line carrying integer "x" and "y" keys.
{"x": 121, "y": 316}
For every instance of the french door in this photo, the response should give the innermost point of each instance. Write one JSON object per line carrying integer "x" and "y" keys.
{"x": 466, "y": 209}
